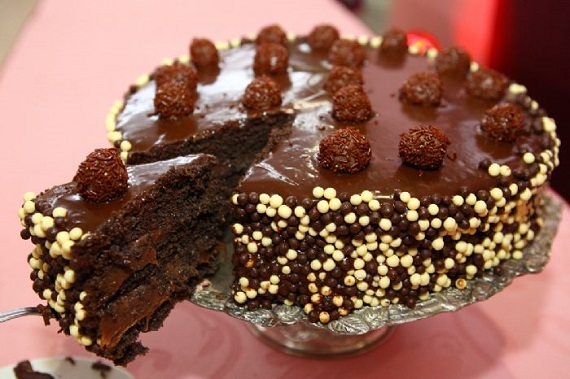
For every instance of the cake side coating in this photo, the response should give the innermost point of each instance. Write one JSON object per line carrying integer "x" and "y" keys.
{"x": 109, "y": 271}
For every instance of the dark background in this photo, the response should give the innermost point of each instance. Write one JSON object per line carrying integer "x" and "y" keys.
{"x": 532, "y": 45}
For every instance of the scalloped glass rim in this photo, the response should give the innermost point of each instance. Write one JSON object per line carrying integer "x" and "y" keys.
{"x": 214, "y": 294}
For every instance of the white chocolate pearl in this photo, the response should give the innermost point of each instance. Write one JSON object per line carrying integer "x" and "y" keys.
{"x": 275, "y": 201}
{"x": 335, "y": 204}
{"x": 496, "y": 193}
{"x": 494, "y": 169}
{"x": 367, "y": 196}
{"x": 437, "y": 244}
{"x": 264, "y": 198}
{"x": 405, "y": 197}
{"x": 318, "y": 192}
{"x": 323, "y": 206}
{"x": 413, "y": 203}
{"x": 329, "y": 193}
{"x": 356, "y": 200}
{"x": 433, "y": 209}
{"x": 284, "y": 211}
{"x": 505, "y": 170}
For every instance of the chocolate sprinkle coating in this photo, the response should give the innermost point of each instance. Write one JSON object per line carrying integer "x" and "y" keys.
{"x": 351, "y": 104}
{"x": 394, "y": 43}
{"x": 261, "y": 94}
{"x": 322, "y": 37}
{"x": 174, "y": 99}
{"x": 349, "y": 53}
{"x": 272, "y": 34}
{"x": 453, "y": 61}
{"x": 422, "y": 88}
{"x": 342, "y": 76}
{"x": 345, "y": 151}
{"x": 176, "y": 72}
{"x": 423, "y": 147}
{"x": 503, "y": 122}
{"x": 203, "y": 53}
{"x": 270, "y": 59}
{"x": 102, "y": 176}
{"x": 486, "y": 84}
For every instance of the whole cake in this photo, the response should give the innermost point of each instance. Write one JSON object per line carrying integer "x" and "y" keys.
{"x": 375, "y": 173}
{"x": 357, "y": 172}
{"x": 117, "y": 247}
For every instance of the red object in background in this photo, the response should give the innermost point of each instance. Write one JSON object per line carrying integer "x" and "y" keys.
{"x": 422, "y": 41}
{"x": 530, "y": 45}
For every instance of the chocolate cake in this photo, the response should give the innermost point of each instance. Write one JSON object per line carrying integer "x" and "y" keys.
{"x": 375, "y": 173}
{"x": 118, "y": 247}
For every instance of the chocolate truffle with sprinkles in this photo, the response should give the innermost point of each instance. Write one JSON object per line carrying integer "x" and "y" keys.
{"x": 174, "y": 99}
{"x": 423, "y": 147}
{"x": 270, "y": 59}
{"x": 351, "y": 104}
{"x": 349, "y": 53}
{"x": 322, "y": 37}
{"x": 203, "y": 53}
{"x": 503, "y": 122}
{"x": 394, "y": 43}
{"x": 342, "y": 76}
{"x": 345, "y": 151}
{"x": 453, "y": 61}
{"x": 486, "y": 84}
{"x": 422, "y": 88}
{"x": 272, "y": 34}
{"x": 261, "y": 94}
{"x": 176, "y": 72}
{"x": 102, "y": 176}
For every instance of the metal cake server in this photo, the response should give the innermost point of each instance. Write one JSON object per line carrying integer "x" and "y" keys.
{"x": 19, "y": 312}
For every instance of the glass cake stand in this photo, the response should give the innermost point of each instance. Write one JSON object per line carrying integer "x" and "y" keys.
{"x": 287, "y": 328}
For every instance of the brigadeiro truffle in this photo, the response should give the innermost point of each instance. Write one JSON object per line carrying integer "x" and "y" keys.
{"x": 503, "y": 122}
{"x": 342, "y": 76}
{"x": 453, "y": 61}
{"x": 177, "y": 72}
{"x": 102, "y": 176}
{"x": 261, "y": 94}
{"x": 273, "y": 34}
{"x": 174, "y": 99}
{"x": 345, "y": 151}
{"x": 394, "y": 44}
{"x": 322, "y": 37}
{"x": 203, "y": 53}
{"x": 423, "y": 147}
{"x": 486, "y": 84}
{"x": 270, "y": 59}
{"x": 422, "y": 88}
{"x": 351, "y": 104}
{"x": 349, "y": 53}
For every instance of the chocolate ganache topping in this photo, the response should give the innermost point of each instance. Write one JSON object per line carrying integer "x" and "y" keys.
{"x": 293, "y": 168}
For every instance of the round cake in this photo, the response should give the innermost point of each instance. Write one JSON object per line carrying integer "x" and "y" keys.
{"x": 352, "y": 172}
{"x": 375, "y": 173}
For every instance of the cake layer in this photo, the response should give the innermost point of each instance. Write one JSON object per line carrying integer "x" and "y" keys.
{"x": 114, "y": 269}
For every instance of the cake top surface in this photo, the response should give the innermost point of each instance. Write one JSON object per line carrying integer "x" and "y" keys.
{"x": 400, "y": 90}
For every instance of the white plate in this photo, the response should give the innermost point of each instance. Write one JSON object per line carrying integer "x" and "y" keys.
{"x": 69, "y": 368}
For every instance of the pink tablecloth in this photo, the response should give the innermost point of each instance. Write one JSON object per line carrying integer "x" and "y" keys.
{"x": 73, "y": 60}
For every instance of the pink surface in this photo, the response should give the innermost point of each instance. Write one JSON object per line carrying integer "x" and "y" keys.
{"x": 72, "y": 61}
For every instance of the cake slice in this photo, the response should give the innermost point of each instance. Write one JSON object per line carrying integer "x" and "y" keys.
{"x": 118, "y": 246}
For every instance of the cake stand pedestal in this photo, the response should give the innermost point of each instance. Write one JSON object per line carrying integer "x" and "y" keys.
{"x": 307, "y": 340}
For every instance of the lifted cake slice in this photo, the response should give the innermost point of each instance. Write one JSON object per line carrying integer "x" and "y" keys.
{"x": 118, "y": 246}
